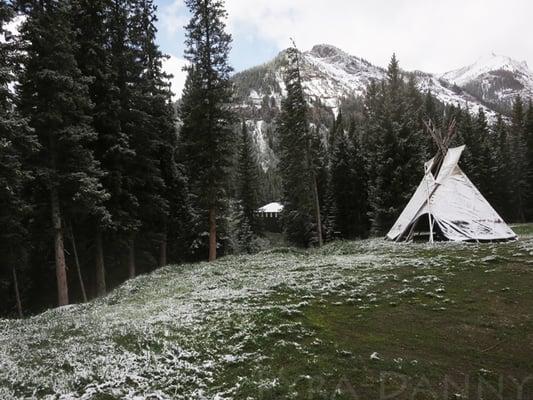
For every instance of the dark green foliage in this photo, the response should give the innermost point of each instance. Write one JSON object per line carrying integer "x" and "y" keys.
{"x": 518, "y": 161}
{"x": 17, "y": 144}
{"x": 150, "y": 120}
{"x": 499, "y": 148}
{"x": 349, "y": 184}
{"x": 396, "y": 144}
{"x": 473, "y": 134}
{"x": 101, "y": 32}
{"x": 528, "y": 130}
{"x": 207, "y": 138}
{"x": 54, "y": 96}
{"x": 295, "y": 164}
{"x": 321, "y": 170}
{"x": 248, "y": 180}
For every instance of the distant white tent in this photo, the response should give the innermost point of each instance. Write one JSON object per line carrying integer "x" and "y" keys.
{"x": 271, "y": 210}
{"x": 274, "y": 208}
{"x": 449, "y": 206}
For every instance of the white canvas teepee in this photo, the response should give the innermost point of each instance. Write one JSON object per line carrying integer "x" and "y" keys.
{"x": 449, "y": 205}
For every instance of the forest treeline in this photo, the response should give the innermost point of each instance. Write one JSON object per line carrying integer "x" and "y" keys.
{"x": 101, "y": 178}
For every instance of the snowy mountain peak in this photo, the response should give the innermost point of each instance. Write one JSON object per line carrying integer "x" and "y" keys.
{"x": 484, "y": 65}
{"x": 495, "y": 80}
{"x": 327, "y": 51}
{"x": 335, "y": 56}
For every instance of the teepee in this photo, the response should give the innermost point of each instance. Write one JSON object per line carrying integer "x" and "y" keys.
{"x": 446, "y": 204}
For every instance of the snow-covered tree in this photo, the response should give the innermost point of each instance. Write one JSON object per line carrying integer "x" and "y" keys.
{"x": 17, "y": 145}
{"x": 207, "y": 137}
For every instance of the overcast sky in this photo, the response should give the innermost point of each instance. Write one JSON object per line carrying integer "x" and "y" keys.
{"x": 429, "y": 35}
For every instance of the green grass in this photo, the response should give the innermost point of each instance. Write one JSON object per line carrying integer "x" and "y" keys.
{"x": 354, "y": 320}
{"x": 523, "y": 229}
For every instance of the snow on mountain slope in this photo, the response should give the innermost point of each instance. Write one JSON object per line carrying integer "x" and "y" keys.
{"x": 484, "y": 65}
{"x": 494, "y": 79}
{"x": 450, "y": 94}
{"x": 330, "y": 75}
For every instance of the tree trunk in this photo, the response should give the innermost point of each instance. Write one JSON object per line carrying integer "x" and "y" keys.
{"x": 77, "y": 261}
{"x": 59, "y": 247}
{"x": 317, "y": 212}
{"x": 100, "y": 266}
{"x": 212, "y": 234}
{"x": 131, "y": 255}
{"x": 163, "y": 251}
{"x": 16, "y": 287}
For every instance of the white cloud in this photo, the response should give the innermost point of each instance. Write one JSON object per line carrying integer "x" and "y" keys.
{"x": 173, "y": 17}
{"x": 432, "y": 35}
{"x": 174, "y": 66}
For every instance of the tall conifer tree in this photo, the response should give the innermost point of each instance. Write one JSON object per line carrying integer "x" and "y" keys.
{"x": 17, "y": 144}
{"x": 207, "y": 135}
{"x": 528, "y": 131}
{"x": 95, "y": 56}
{"x": 518, "y": 160}
{"x": 55, "y": 98}
{"x": 150, "y": 127}
{"x": 501, "y": 173}
{"x": 295, "y": 163}
{"x": 248, "y": 177}
{"x": 394, "y": 113}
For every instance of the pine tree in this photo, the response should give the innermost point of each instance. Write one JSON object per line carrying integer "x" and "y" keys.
{"x": 485, "y": 161}
{"x": 55, "y": 99}
{"x": 518, "y": 161}
{"x": 414, "y": 141}
{"x": 337, "y": 129}
{"x": 397, "y": 145}
{"x": 341, "y": 184}
{"x": 248, "y": 179}
{"x": 172, "y": 230}
{"x": 295, "y": 164}
{"x": 150, "y": 128}
{"x": 500, "y": 148}
{"x": 119, "y": 154}
{"x": 17, "y": 144}
{"x": 430, "y": 109}
{"x": 207, "y": 137}
{"x": 528, "y": 130}
{"x": 349, "y": 185}
{"x": 359, "y": 182}
{"x": 320, "y": 156}
{"x": 95, "y": 57}
{"x": 474, "y": 134}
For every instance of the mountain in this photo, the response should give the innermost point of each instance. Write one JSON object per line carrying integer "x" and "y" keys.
{"x": 495, "y": 80}
{"x": 331, "y": 76}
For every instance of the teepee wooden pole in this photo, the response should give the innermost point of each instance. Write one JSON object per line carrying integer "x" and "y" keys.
{"x": 428, "y": 171}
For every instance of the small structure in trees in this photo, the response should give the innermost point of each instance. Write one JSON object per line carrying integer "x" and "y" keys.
{"x": 446, "y": 204}
{"x": 269, "y": 216}
{"x": 271, "y": 210}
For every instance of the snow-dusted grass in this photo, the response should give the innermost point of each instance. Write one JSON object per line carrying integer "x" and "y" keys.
{"x": 285, "y": 324}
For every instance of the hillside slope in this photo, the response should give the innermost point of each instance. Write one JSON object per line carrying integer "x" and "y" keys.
{"x": 287, "y": 324}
